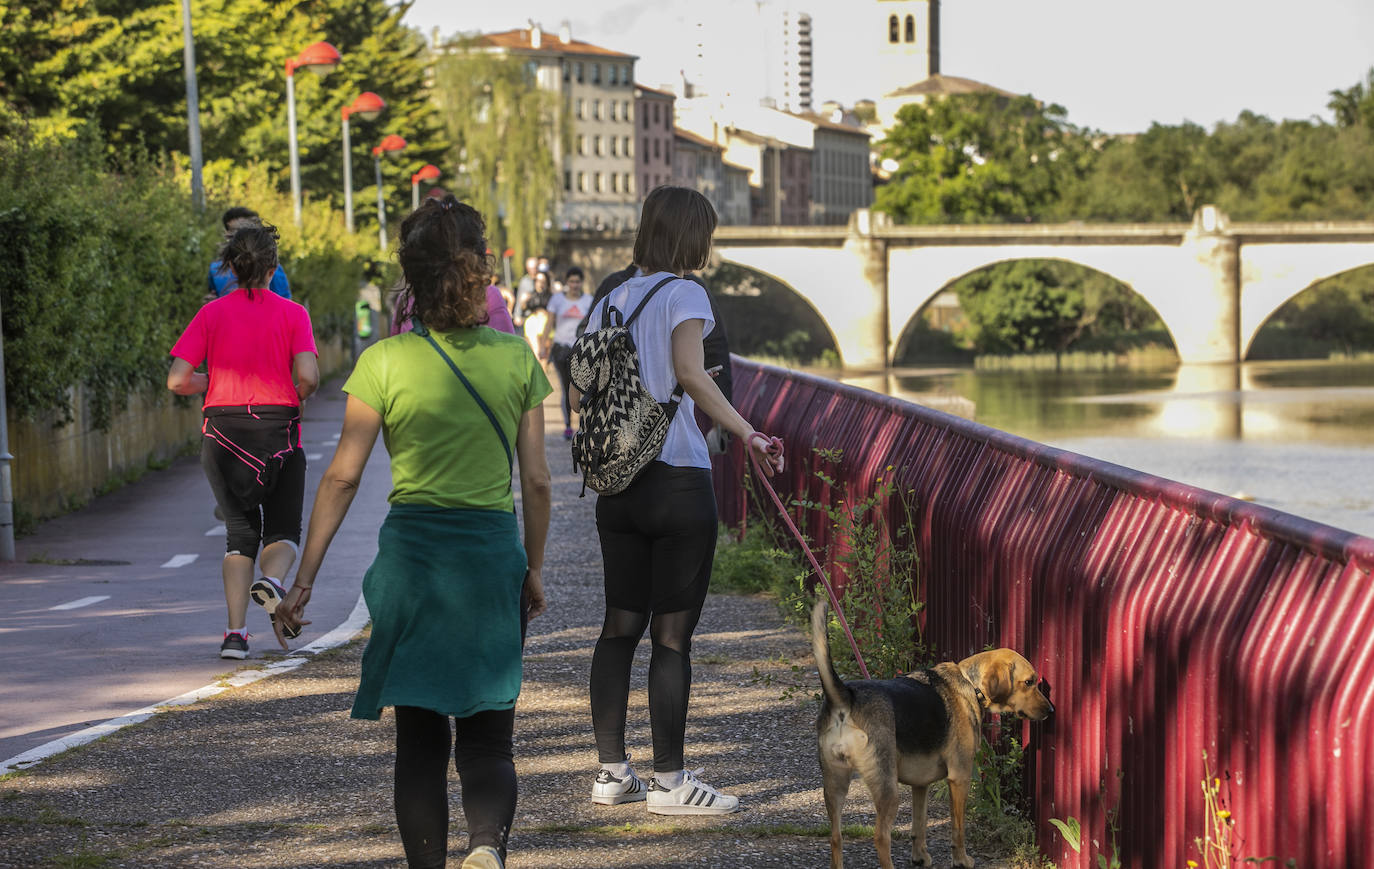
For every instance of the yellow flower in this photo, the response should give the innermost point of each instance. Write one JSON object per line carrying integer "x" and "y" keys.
{"x": 1224, "y": 815}
{"x": 1193, "y": 864}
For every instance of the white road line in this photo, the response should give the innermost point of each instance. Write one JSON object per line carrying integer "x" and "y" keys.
{"x": 180, "y": 560}
{"x": 215, "y": 532}
{"x": 313, "y": 457}
{"x": 78, "y": 604}
{"x": 337, "y": 637}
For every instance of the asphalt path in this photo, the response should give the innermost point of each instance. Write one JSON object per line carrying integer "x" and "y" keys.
{"x": 120, "y": 605}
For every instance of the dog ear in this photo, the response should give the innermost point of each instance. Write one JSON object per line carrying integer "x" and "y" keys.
{"x": 998, "y": 681}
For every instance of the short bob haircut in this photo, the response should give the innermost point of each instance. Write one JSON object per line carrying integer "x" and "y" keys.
{"x": 675, "y": 230}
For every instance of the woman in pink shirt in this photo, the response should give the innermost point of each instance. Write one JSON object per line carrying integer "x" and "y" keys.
{"x": 261, "y": 361}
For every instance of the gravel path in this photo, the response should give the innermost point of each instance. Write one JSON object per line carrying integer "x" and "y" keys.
{"x": 275, "y": 774}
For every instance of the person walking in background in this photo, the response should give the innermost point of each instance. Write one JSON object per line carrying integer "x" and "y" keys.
{"x": 222, "y": 279}
{"x": 567, "y": 310}
{"x": 658, "y": 536}
{"x": 452, "y": 585}
{"x": 524, "y": 289}
{"x": 498, "y": 315}
{"x": 260, "y": 353}
{"x": 536, "y": 316}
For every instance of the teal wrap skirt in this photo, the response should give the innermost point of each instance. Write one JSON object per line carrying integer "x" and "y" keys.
{"x": 444, "y": 597}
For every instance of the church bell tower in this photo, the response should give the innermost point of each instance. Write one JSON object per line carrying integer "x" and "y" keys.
{"x": 908, "y": 36}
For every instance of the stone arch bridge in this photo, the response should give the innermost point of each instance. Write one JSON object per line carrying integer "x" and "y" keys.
{"x": 1213, "y": 283}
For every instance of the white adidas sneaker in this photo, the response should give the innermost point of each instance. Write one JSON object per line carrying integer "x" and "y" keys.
{"x": 610, "y": 790}
{"x": 692, "y": 797}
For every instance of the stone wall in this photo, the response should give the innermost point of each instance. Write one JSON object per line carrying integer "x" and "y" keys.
{"x": 60, "y": 466}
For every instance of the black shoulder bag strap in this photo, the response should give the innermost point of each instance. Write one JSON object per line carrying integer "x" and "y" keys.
{"x": 491, "y": 417}
{"x": 675, "y": 399}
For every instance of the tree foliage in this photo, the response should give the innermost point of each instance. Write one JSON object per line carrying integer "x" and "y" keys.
{"x": 503, "y": 128}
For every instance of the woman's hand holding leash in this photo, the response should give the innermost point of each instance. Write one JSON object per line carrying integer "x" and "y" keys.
{"x": 767, "y": 452}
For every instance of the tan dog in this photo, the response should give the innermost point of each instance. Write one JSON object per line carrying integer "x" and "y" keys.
{"x": 915, "y": 729}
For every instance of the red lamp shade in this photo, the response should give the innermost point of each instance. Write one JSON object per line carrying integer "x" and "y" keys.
{"x": 428, "y": 172}
{"x": 390, "y": 143}
{"x": 319, "y": 58}
{"x": 508, "y": 252}
{"x": 366, "y": 105}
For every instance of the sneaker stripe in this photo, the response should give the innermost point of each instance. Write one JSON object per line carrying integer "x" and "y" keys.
{"x": 711, "y": 801}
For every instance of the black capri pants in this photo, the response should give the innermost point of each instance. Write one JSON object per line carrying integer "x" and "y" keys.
{"x": 253, "y": 460}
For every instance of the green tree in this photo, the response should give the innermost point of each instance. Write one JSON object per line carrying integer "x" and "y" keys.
{"x": 980, "y": 157}
{"x": 504, "y": 130}
{"x": 1021, "y": 307}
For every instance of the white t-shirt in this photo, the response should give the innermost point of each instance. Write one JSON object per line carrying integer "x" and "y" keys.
{"x": 676, "y": 302}
{"x": 567, "y": 314}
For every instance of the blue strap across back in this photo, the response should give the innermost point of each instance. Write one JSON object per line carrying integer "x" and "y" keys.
{"x": 491, "y": 417}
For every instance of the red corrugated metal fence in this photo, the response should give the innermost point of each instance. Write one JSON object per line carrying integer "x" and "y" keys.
{"x": 1168, "y": 622}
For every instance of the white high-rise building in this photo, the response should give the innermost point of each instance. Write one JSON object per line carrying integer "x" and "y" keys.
{"x": 757, "y": 53}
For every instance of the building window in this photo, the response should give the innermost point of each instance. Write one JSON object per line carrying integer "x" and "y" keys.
{"x": 625, "y": 149}
{"x": 567, "y": 180}
{"x": 656, "y": 108}
{"x": 646, "y": 182}
{"x": 612, "y": 109}
{"x": 656, "y": 148}
{"x": 582, "y": 182}
{"x": 581, "y": 144}
{"x": 646, "y": 120}
{"x": 625, "y": 110}
{"x": 567, "y": 71}
{"x": 596, "y": 110}
{"x": 893, "y": 35}
{"x": 625, "y": 182}
{"x": 596, "y": 145}
{"x": 614, "y": 143}
{"x": 581, "y": 109}
{"x": 577, "y": 67}
{"x": 596, "y": 73}
{"x": 597, "y": 181}
{"x": 667, "y": 119}
{"x": 911, "y": 28}
{"x": 615, "y": 179}
{"x": 614, "y": 74}
{"x": 645, "y": 140}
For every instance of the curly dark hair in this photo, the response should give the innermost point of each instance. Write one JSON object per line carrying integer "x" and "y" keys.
{"x": 443, "y": 255}
{"x": 251, "y": 253}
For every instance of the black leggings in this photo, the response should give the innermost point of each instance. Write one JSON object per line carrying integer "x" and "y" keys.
{"x": 658, "y": 539}
{"x": 486, "y": 771}
{"x": 561, "y": 354}
{"x": 253, "y": 460}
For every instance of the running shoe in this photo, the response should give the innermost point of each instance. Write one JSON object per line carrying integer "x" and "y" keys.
{"x": 484, "y": 857}
{"x": 692, "y": 797}
{"x": 608, "y": 790}
{"x": 267, "y": 594}
{"x": 235, "y": 646}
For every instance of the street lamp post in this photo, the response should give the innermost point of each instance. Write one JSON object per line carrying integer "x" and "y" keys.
{"x": 192, "y": 108}
{"x": 367, "y": 106}
{"x": 390, "y": 143}
{"x": 319, "y": 58}
{"x": 428, "y": 172}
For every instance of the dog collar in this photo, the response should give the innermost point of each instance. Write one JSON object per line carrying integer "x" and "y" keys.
{"x": 982, "y": 699}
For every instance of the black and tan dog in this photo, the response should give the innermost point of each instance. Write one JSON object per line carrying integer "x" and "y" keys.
{"x": 915, "y": 729}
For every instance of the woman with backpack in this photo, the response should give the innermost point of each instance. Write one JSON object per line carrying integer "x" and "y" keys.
{"x": 452, "y": 583}
{"x": 658, "y": 534}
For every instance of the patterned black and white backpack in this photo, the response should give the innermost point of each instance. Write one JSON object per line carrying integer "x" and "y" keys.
{"x": 621, "y": 427}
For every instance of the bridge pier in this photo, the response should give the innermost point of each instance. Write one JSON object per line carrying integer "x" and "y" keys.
{"x": 1205, "y": 324}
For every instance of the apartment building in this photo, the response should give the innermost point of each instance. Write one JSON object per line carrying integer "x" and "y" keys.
{"x": 697, "y": 164}
{"x": 598, "y": 96}
{"x": 654, "y": 138}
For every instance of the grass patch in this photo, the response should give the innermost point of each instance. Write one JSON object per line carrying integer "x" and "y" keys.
{"x": 751, "y": 563}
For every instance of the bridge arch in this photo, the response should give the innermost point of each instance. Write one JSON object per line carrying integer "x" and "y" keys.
{"x": 902, "y": 329}
{"x": 1272, "y": 275}
{"x": 716, "y": 279}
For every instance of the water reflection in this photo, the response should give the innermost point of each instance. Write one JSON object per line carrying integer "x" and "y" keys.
{"x": 1298, "y": 436}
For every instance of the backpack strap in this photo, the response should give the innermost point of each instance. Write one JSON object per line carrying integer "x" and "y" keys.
{"x": 675, "y": 399}
{"x": 491, "y": 417}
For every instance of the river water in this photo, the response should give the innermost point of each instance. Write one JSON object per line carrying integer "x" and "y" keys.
{"x": 1295, "y": 436}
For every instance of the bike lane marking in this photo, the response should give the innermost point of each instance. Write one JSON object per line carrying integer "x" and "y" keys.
{"x": 78, "y": 604}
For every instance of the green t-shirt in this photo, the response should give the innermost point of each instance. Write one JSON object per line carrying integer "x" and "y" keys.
{"x": 444, "y": 451}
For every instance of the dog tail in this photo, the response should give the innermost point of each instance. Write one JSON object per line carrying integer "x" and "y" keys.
{"x": 835, "y": 690}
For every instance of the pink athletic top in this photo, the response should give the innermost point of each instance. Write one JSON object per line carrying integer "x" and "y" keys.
{"x": 247, "y": 345}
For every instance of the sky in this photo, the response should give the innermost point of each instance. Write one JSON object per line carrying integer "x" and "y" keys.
{"x": 1115, "y": 66}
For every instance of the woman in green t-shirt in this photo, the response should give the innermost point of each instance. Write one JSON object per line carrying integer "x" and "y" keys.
{"x": 452, "y": 585}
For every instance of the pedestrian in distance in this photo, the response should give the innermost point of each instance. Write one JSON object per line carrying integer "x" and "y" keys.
{"x": 536, "y": 316}
{"x": 260, "y": 353}
{"x": 452, "y": 585}
{"x": 524, "y": 289}
{"x": 221, "y": 279}
{"x": 567, "y": 310}
{"x": 658, "y": 535}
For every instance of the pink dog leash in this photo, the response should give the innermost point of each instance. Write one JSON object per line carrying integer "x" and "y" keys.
{"x": 773, "y": 447}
